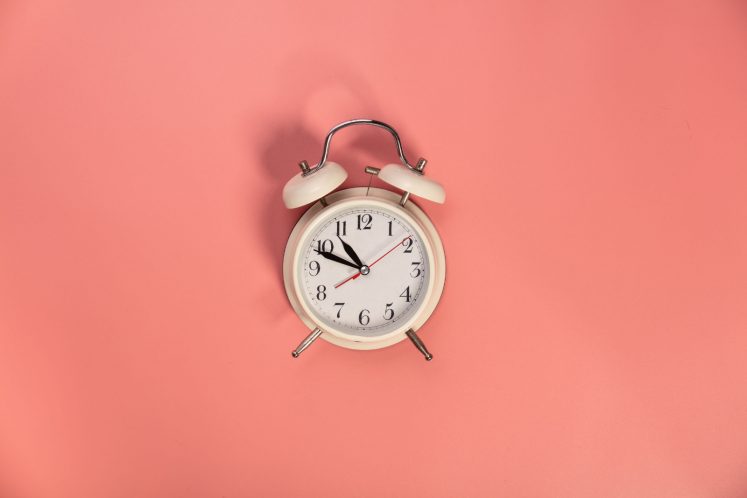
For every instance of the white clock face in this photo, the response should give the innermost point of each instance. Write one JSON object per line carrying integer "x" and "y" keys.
{"x": 363, "y": 271}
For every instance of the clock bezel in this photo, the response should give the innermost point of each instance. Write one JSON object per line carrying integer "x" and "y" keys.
{"x": 351, "y": 198}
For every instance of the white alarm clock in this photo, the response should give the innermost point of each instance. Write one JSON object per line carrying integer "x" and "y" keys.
{"x": 364, "y": 267}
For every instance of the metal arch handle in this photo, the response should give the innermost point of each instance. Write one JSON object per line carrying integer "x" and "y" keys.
{"x": 371, "y": 122}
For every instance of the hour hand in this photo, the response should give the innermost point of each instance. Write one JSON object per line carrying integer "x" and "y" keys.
{"x": 350, "y": 252}
{"x": 336, "y": 259}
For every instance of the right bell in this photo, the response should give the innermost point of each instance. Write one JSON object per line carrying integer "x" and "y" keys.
{"x": 414, "y": 182}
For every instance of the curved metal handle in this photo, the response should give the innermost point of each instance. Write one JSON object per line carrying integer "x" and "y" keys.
{"x": 418, "y": 168}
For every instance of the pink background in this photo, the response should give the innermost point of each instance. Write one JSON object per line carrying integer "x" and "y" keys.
{"x": 591, "y": 340}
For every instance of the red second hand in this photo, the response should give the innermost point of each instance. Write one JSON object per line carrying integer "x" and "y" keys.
{"x": 356, "y": 275}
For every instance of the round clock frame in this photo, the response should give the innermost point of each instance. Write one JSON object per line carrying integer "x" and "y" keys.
{"x": 362, "y": 197}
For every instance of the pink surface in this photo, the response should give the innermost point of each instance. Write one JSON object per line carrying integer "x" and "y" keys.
{"x": 591, "y": 340}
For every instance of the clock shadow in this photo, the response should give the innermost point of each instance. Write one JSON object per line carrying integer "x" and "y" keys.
{"x": 291, "y": 136}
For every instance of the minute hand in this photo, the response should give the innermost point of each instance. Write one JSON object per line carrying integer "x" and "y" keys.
{"x": 351, "y": 252}
{"x": 336, "y": 259}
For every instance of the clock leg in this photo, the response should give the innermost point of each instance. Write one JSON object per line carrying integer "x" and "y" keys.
{"x": 307, "y": 342}
{"x": 419, "y": 344}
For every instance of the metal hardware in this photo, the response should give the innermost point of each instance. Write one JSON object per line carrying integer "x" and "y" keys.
{"x": 307, "y": 342}
{"x": 403, "y": 200}
{"x": 419, "y": 344}
{"x": 373, "y": 172}
{"x": 323, "y": 201}
{"x": 372, "y": 122}
{"x": 421, "y": 165}
{"x": 304, "y": 166}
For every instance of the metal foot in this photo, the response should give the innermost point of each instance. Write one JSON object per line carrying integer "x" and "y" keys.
{"x": 307, "y": 342}
{"x": 403, "y": 200}
{"x": 419, "y": 344}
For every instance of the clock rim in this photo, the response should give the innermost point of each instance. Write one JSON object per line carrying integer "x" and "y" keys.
{"x": 433, "y": 247}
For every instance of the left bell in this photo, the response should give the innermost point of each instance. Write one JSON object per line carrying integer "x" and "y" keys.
{"x": 313, "y": 184}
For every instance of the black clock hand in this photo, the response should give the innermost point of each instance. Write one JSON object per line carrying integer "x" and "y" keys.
{"x": 349, "y": 250}
{"x": 337, "y": 259}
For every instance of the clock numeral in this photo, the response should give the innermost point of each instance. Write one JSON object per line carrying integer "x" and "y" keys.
{"x": 314, "y": 268}
{"x": 364, "y": 221}
{"x": 325, "y": 245}
{"x": 390, "y": 228}
{"x": 408, "y": 244}
{"x": 340, "y": 310}
{"x": 415, "y": 273}
{"x": 388, "y": 312}
{"x": 321, "y": 292}
{"x": 363, "y": 317}
{"x": 342, "y": 228}
{"x": 406, "y": 294}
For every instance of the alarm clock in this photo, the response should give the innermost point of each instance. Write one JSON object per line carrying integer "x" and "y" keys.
{"x": 364, "y": 267}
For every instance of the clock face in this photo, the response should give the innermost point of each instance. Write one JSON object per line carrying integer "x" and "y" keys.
{"x": 363, "y": 271}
